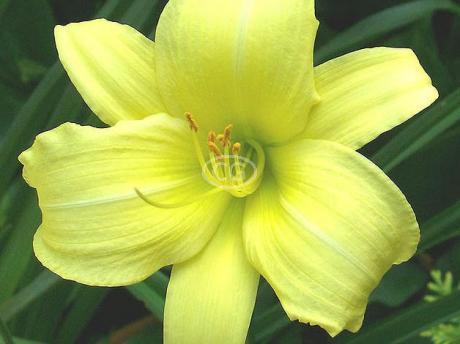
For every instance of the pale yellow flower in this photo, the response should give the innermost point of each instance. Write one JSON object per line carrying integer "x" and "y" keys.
{"x": 317, "y": 220}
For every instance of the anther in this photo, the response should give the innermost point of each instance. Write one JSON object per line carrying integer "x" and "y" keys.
{"x": 194, "y": 128}
{"x": 220, "y": 138}
{"x": 227, "y": 134}
{"x": 214, "y": 149}
{"x": 191, "y": 121}
{"x": 225, "y": 169}
{"x": 211, "y": 136}
{"x": 236, "y": 148}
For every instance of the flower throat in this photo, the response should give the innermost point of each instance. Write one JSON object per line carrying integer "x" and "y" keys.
{"x": 232, "y": 167}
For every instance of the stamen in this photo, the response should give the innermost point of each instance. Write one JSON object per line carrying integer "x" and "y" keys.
{"x": 216, "y": 168}
{"x": 194, "y": 128}
{"x": 220, "y": 138}
{"x": 211, "y": 136}
{"x": 239, "y": 172}
{"x": 225, "y": 169}
{"x": 212, "y": 155}
{"x": 215, "y": 150}
{"x": 236, "y": 148}
{"x": 233, "y": 168}
{"x": 227, "y": 135}
{"x": 191, "y": 121}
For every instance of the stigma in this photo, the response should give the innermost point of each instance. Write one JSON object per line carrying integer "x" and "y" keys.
{"x": 232, "y": 167}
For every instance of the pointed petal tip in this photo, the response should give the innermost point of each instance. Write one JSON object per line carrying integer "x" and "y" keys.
{"x": 22, "y": 158}
{"x": 58, "y": 28}
{"x": 434, "y": 93}
{"x": 60, "y": 31}
{"x": 94, "y": 55}
{"x": 390, "y": 86}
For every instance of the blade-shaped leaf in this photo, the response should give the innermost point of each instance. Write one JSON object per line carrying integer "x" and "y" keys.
{"x": 34, "y": 115}
{"x": 17, "y": 252}
{"x": 5, "y": 334}
{"x": 420, "y": 132}
{"x": 152, "y": 293}
{"x": 24, "y": 297}
{"x": 380, "y": 24}
{"x": 409, "y": 323}
{"x": 441, "y": 227}
{"x": 86, "y": 303}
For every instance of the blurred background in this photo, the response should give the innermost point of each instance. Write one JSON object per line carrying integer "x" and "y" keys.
{"x": 417, "y": 302}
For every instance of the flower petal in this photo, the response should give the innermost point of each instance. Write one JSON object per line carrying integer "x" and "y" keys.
{"x": 211, "y": 297}
{"x": 113, "y": 68}
{"x": 324, "y": 229}
{"x": 243, "y": 62}
{"x": 366, "y": 93}
{"x": 95, "y": 228}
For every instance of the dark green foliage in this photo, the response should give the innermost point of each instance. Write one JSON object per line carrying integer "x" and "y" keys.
{"x": 421, "y": 156}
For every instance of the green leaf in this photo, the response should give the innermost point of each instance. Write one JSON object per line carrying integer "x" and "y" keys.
{"x": 28, "y": 122}
{"x": 420, "y": 132}
{"x": 87, "y": 301}
{"x": 290, "y": 335}
{"x": 51, "y": 103}
{"x": 27, "y": 50}
{"x": 3, "y": 6}
{"x": 399, "y": 284}
{"x": 11, "y": 100}
{"x": 33, "y": 116}
{"x": 30, "y": 70}
{"x": 152, "y": 293}
{"x": 5, "y": 333}
{"x": 381, "y": 24}
{"x": 267, "y": 310}
{"x": 7, "y": 205}
{"x": 18, "y": 340}
{"x": 23, "y": 298}
{"x": 277, "y": 320}
{"x": 429, "y": 177}
{"x": 50, "y": 308}
{"x": 17, "y": 252}
{"x": 408, "y": 324}
{"x": 450, "y": 259}
{"x": 441, "y": 227}
{"x": 31, "y": 24}
{"x": 140, "y": 15}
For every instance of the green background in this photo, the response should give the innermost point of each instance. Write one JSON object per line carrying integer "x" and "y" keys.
{"x": 421, "y": 156}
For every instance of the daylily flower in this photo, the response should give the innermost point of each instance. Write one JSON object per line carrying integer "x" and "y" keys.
{"x": 229, "y": 156}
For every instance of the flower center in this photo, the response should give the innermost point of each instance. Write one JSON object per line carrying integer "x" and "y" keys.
{"x": 233, "y": 167}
